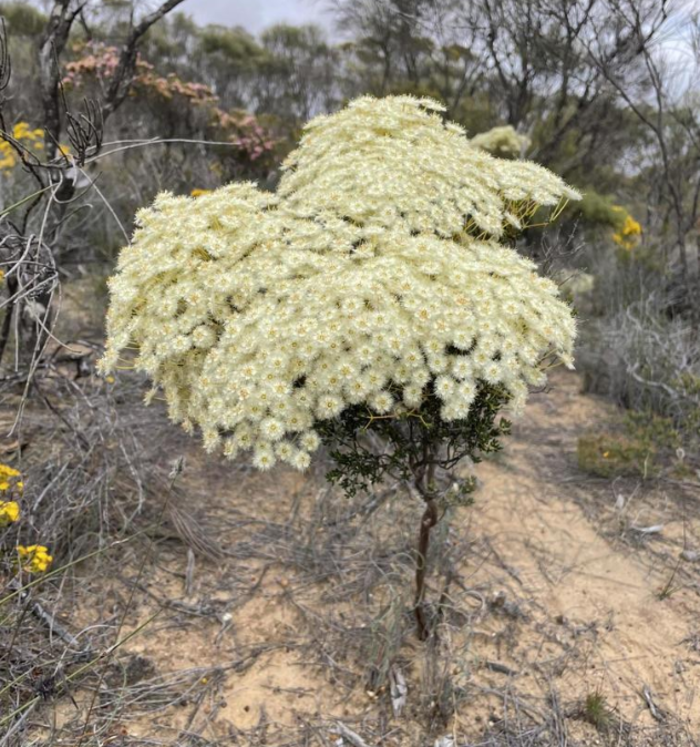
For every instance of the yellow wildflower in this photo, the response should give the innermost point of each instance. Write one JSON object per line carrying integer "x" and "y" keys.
{"x": 24, "y": 134}
{"x": 6, "y": 473}
{"x": 22, "y": 131}
{"x": 9, "y": 512}
{"x": 7, "y": 156}
{"x": 34, "y": 558}
{"x": 628, "y": 236}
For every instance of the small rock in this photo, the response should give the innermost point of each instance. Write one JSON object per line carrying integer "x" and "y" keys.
{"x": 692, "y": 556}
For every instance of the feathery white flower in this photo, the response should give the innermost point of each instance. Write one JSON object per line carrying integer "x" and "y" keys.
{"x": 374, "y": 270}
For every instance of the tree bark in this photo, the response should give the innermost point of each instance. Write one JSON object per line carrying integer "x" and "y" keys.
{"x": 429, "y": 520}
{"x": 51, "y": 46}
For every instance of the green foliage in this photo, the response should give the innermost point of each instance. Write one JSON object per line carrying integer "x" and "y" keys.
{"x": 688, "y": 384}
{"x": 366, "y": 447}
{"x": 647, "y": 442}
{"x": 23, "y": 19}
{"x": 598, "y": 210}
{"x": 652, "y": 430}
{"x": 284, "y": 37}
{"x": 612, "y": 455}
{"x": 236, "y": 46}
{"x": 476, "y": 113}
{"x": 167, "y": 40}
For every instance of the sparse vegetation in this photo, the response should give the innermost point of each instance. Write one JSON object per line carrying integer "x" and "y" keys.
{"x": 644, "y": 445}
{"x": 597, "y": 712}
{"x": 610, "y": 454}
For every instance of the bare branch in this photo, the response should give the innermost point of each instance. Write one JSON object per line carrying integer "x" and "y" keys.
{"x": 123, "y": 75}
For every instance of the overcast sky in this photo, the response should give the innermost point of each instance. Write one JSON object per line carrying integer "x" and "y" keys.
{"x": 256, "y": 15}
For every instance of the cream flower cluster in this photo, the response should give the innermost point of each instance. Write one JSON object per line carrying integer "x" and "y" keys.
{"x": 374, "y": 273}
{"x": 502, "y": 141}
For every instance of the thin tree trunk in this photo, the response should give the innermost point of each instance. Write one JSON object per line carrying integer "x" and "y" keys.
{"x": 429, "y": 520}
{"x": 7, "y": 321}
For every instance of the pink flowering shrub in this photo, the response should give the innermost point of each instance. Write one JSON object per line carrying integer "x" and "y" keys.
{"x": 96, "y": 63}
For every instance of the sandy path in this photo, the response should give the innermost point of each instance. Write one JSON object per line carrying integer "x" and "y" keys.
{"x": 593, "y": 599}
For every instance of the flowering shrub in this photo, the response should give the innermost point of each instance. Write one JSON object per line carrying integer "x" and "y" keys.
{"x": 23, "y": 134}
{"x": 21, "y": 145}
{"x": 504, "y": 142}
{"x": 101, "y": 61}
{"x": 629, "y": 231}
{"x": 98, "y": 62}
{"x": 375, "y": 278}
{"x": 372, "y": 292}
{"x": 34, "y": 558}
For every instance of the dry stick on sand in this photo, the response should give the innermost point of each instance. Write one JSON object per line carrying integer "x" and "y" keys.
{"x": 350, "y": 735}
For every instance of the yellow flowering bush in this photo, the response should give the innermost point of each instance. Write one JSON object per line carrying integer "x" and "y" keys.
{"x": 34, "y": 558}
{"x": 377, "y": 275}
{"x": 24, "y": 134}
{"x": 629, "y": 232}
